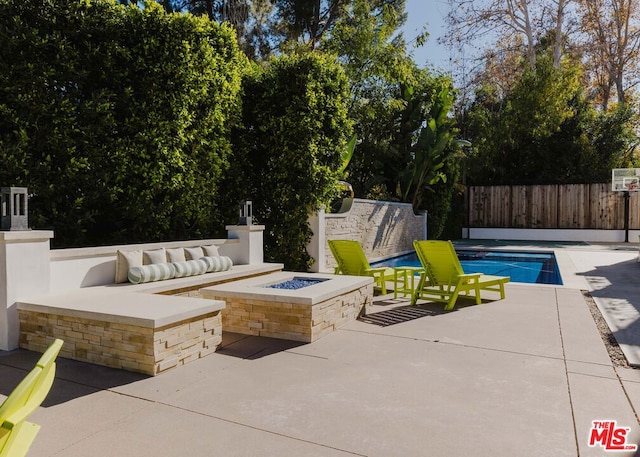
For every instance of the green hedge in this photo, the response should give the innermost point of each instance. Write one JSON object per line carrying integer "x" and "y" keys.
{"x": 120, "y": 120}
{"x": 116, "y": 118}
{"x": 289, "y": 152}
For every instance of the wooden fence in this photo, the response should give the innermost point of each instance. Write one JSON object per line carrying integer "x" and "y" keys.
{"x": 567, "y": 206}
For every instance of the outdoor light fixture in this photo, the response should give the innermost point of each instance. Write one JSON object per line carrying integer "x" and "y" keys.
{"x": 246, "y": 213}
{"x": 14, "y": 208}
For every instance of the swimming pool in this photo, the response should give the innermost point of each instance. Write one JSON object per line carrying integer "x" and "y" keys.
{"x": 526, "y": 267}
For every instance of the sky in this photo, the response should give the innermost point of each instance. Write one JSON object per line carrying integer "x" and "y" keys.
{"x": 429, "y": 13}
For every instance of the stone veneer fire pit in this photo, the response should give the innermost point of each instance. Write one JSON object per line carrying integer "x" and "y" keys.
{"x": 303, "y": 314}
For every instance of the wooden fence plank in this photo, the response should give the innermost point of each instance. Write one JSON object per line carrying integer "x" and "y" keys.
{"x": 543, "y": 207}
{"x": 518, "y": 206}
{"x": 487, "y": 207}
{"x": 572, "y": 206}
{"x": 607, "y": 208}
{"x": 568, "y": 206}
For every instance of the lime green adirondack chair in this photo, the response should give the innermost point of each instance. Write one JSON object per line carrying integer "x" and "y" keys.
{"x": 16, "y": 434}
{"x": 352, "y": 261}
{"x": 445, "y": 278}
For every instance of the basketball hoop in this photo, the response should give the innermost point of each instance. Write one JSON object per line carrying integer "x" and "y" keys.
{"x": 625, "y": 179}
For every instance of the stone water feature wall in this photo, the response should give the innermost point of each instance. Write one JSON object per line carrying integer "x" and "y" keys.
{"x": 384, "y": 229}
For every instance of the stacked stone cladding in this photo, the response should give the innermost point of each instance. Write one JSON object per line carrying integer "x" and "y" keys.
{"x": 384, "y": 229}
{"x": 130, "y": 347}
{"x": 291, "y": 321}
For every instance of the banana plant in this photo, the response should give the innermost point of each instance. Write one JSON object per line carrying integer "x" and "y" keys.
{"x": 347, "y": 153}
{"x": 435, "y": 145}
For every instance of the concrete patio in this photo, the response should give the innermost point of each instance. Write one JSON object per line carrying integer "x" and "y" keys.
{"x": 525, "y": 376}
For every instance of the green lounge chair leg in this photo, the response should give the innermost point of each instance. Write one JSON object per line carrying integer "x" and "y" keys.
{"x": 452, "y": 301}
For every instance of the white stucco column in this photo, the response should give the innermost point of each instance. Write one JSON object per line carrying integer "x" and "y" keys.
{"x": 24, "y": 271}
{"x": 251, "y": 242}
{"x": 316, "y": 247}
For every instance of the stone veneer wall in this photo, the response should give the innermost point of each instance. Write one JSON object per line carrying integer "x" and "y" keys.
{"x": 130, "y": 347}
{"x": 292, "y": 321}
{"x": 384, "y": 229}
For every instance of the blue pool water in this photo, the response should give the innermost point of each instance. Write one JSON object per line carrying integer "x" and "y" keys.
{"x": 527, "y": 267}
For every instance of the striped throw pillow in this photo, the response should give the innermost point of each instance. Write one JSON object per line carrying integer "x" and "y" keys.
{"x": 153, "y": 272}
{"x": 190, "y": 268}
{"x": 218, "y": 263}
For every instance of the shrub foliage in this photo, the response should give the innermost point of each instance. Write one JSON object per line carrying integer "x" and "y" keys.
{"x": 289, "y": 151}
{"x": 116, "y": 118}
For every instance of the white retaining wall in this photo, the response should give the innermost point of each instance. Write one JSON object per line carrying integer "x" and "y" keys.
{"x": 96, "y": 266}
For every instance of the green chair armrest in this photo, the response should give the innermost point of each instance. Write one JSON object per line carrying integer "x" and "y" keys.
{"x": 470, "y": 275}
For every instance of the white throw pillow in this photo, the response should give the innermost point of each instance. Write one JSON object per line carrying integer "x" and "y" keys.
{"x": 176, "y": 255}
{"x": 155, "y": 256}
{"x": 193, "y": 253}
{"x": 124, "y": 261}
{"x": 210, "y": 251}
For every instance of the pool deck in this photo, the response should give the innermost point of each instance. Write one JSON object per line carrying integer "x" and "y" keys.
{"x": 524, "y": 376}
{"x": 610, "y": 272}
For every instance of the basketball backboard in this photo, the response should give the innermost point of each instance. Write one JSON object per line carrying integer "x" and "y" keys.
{"x": 625, "y": 179}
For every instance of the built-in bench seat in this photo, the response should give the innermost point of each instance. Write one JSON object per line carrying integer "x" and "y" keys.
{"x": 148, "y": 328}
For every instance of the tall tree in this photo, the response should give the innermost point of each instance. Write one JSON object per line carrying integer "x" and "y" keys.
{"x": 250, "y": 18}
{"x": 545, "y": 131}
{"x": 503, "y": 31}
{"x": 306, "y": 22}
{"x": 373, "y": 54}
{"x": 400, "y": 112}
{"x": 368, "y": 44}
{"x": 612, "y": 32}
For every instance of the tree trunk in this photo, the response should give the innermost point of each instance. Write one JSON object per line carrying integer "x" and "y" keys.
{"x": 557, "y": 45}
{"x": 622, "y": 99}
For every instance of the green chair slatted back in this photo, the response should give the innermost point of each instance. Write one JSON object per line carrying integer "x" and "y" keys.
{"x": 352, "y": 260}
{"x": 350, "y": 257}
{"x": 16, "y": 434}
{"x": 441, "y": 260}
{"x": 445, "y": 279}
